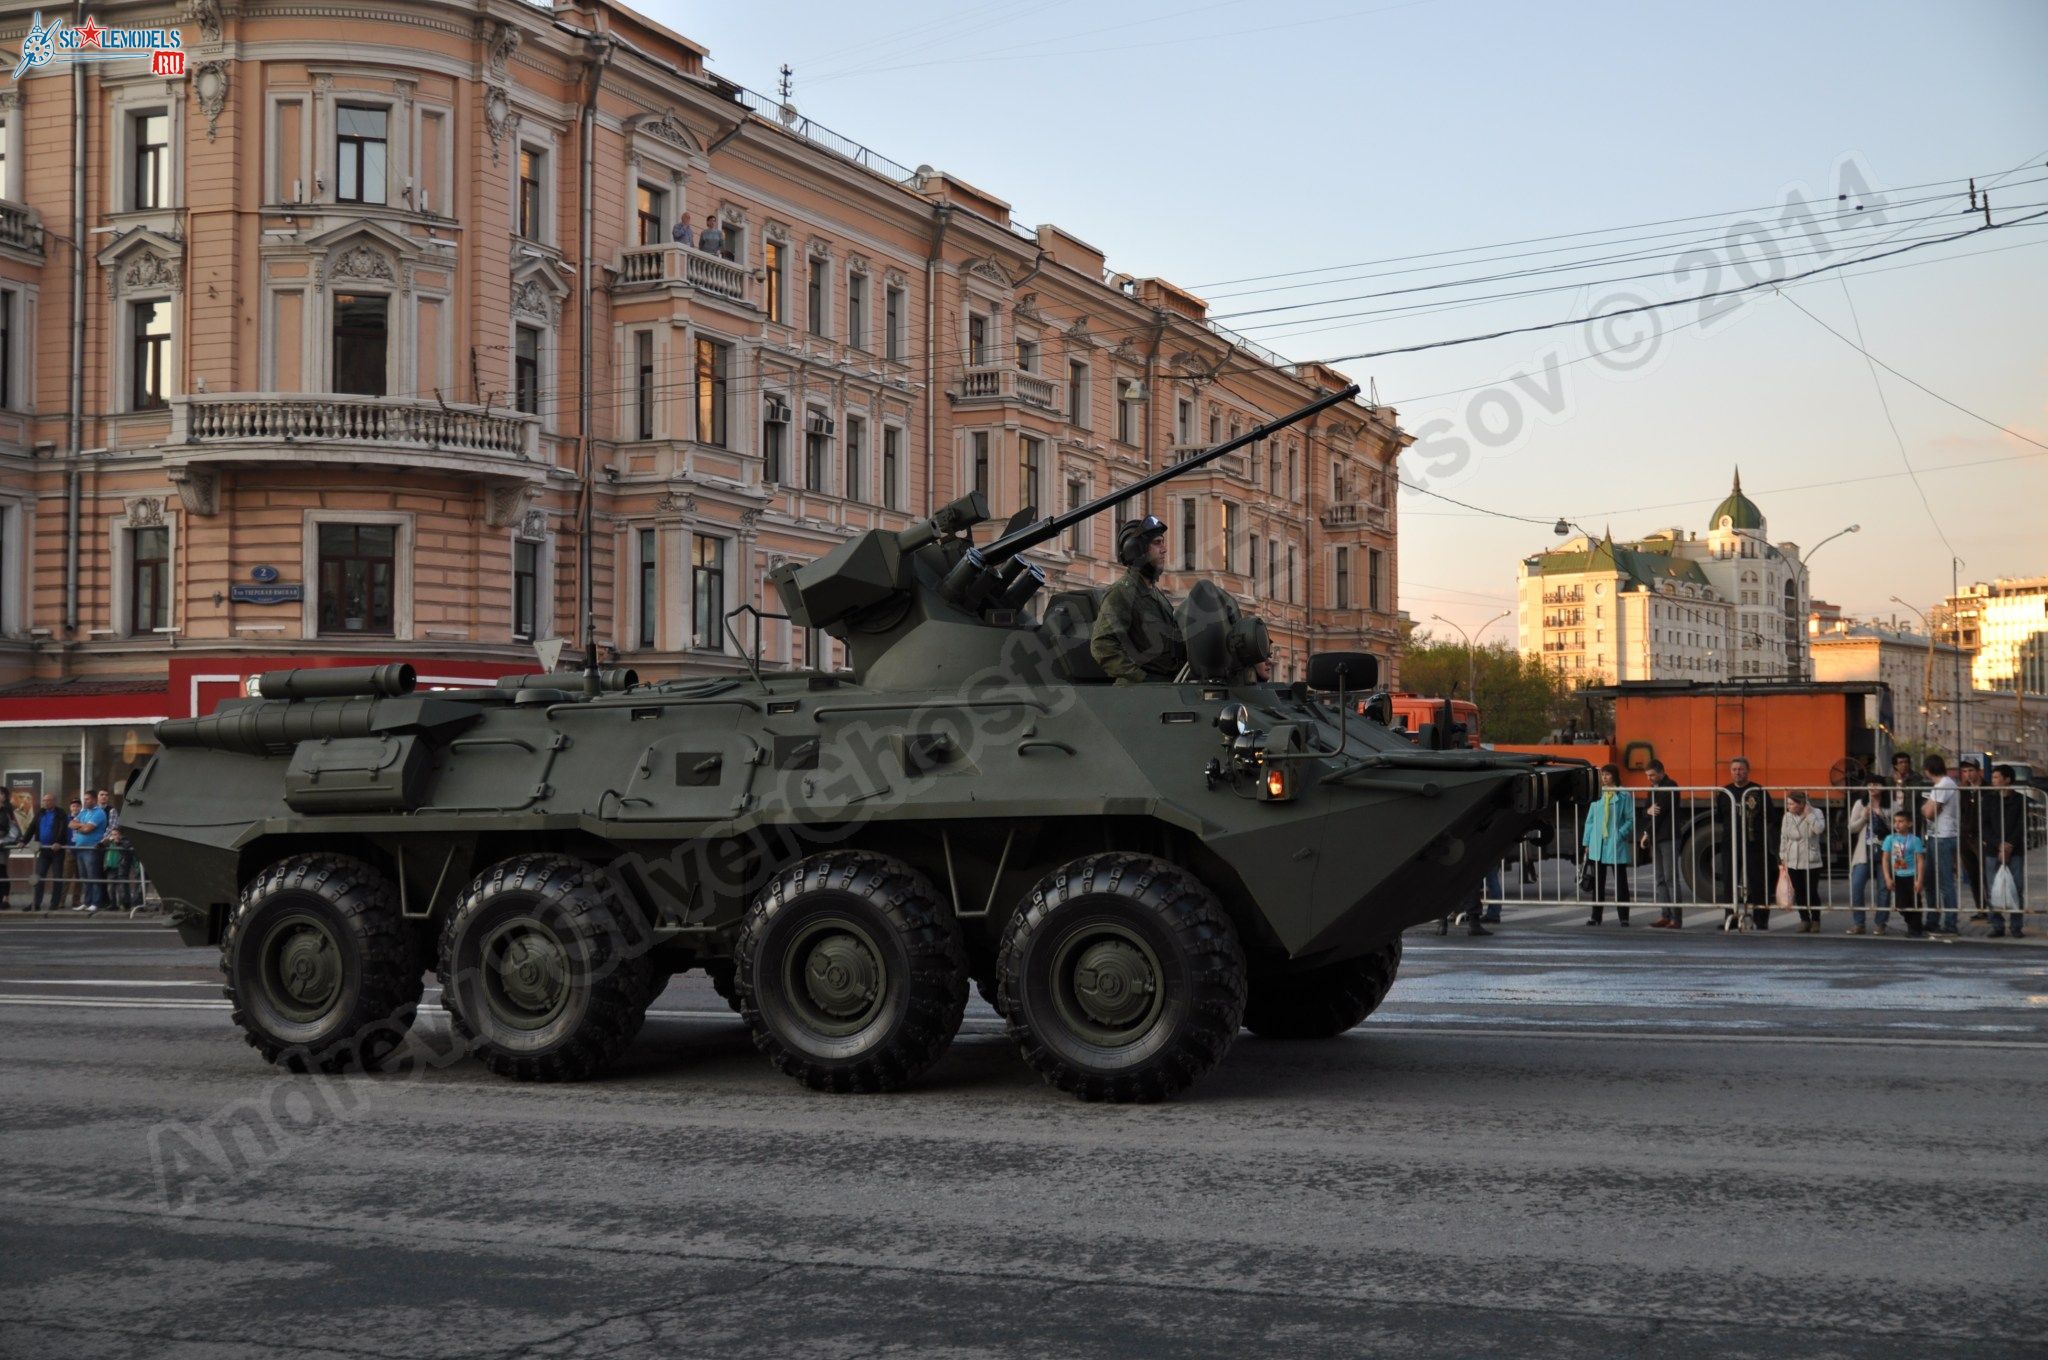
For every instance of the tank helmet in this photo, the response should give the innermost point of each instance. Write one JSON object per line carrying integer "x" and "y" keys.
{"x": 1131, "y": 540}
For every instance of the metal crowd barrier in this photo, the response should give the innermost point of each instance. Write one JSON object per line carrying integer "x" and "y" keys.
{"x": 1696, "y": 858}
{"x": 125, "y": 889}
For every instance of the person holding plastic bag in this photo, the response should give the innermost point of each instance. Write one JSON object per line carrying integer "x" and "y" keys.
{"x": 1609, "y": 836}
{"x": 2005, "y": 854}
{"x": 1869, "y": 823}
{"x": 1802, "y": 858}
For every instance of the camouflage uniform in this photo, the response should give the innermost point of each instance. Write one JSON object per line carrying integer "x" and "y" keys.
{"x": 1136, "y": 637}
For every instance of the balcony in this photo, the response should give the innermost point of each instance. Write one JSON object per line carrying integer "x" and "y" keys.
{"x": 986, "y": 384}
{"x": 20, "y": 228}
{"x": 214, "y": 429}
{"x": 656, "y": 266}
{"x": 1575, "y": 595}
{"x": 1355, "y": 515}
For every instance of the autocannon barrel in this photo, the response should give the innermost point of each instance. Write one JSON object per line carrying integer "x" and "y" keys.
{"x": 338, "y": 682}
{"x": 610, "y": 679}
{"x": 263, "y": 728}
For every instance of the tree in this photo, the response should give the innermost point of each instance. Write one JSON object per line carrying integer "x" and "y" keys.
{"x": 1519, "y": 699}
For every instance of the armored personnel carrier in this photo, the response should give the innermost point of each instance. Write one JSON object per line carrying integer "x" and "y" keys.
{"x": 1130, "y": 873}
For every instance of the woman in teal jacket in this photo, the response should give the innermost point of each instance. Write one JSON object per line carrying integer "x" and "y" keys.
{"x": 1610, "y": 831}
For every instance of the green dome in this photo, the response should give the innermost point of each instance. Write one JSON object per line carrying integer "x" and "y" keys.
{"x": 1739, "y": 510}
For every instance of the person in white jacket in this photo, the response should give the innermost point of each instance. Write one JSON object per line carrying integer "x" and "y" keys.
{"x": 1869, "y": 819}
{"x": 1802, "y": 855}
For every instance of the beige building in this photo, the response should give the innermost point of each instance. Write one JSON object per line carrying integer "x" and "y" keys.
{"x": 2003, "y": 627}
{"x": 381, "y": 308}
{"x": 1673, "y": 605}
{"x": 1921, "y": 674}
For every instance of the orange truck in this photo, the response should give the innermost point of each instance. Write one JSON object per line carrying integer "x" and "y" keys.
{"x": 1412, "y": 712}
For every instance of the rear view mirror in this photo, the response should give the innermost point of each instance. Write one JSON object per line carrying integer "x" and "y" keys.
{"x": 1357, "y": 670}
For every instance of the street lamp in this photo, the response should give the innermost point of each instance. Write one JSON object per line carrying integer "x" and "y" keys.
{"x": 1852, "y": 529}
{"x": 1471, "y": 655}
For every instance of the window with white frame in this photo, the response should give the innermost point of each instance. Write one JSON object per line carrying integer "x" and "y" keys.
{"x": 707, "y": 591}
{"x": 10, "y": 310}
{"x": 1188, "y": 544}
{"x": 775, "y": 273}
{"x": 358, "y": 579}
{"x": 362, "y": 153}
{"x": 526, "y": 369}
{"x": 894, "y": 303}
{"x": 714, "y": 363}
{"x": 1340, "y": 595}
{"x": 1031, "y": 463}
{"x": 149, "y": 580}
{"x": 979, "y": 332}
{"x": 1375, "y": 571}
{"x": 774, "y": 438}
{"x": 1077, "y": 536}
{"x": 1077, "y": 394}
{"x": 855, "y": 487}
{"x": 857, "y": 310}
{"x": 1231, "y": 522}
{"x": 650, "y": 214}
{"x": 149, "y": 354}
{"x": 817, "y": 449}
{"x": 149, "y": 159}
{"x": 525, "y": 590}
{"x": 647, "y": 594}
{"x": 977, "y": 461}
{"x": 1027, "y": 354}
{"x": 814, "y": 295}
{"x": 1252, "y": 564}
{"x": 643, "y": 384}
{"x": 6, "y": 159}
{"x": 892, "y": 467}
{"x": 531, "y": 205}
{"x": 362, "y": 343}
{"x": 1183, "y": 421}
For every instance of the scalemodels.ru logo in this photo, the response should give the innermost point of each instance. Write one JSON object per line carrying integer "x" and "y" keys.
{"x": 45, "y": 43}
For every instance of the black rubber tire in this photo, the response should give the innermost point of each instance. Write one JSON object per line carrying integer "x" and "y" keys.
{"x": 567, "y": 925}
{"x": 377, "y": 987}
{"x": 894, "y": 923}
{"x": 720, "y": 971}
{"x": 990, "y": 989}
{"x": 1197, "y": 969}
{"x": 1322, "y": 1002}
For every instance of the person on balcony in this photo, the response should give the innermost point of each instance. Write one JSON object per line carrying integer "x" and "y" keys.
{"x": 681, "y": 233}
{"x": 711, "y": 240}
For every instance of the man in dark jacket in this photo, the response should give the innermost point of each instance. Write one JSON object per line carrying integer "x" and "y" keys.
{"x": 1657, "y": 827}
{"x": 50, "y": 833}
{"x": 2005, "y": 846}
{"x": 1750, "y": 809}
{"x": 1136, "y": 637}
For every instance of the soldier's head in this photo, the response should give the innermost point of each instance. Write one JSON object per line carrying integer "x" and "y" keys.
{"x": 1142, "y": 544}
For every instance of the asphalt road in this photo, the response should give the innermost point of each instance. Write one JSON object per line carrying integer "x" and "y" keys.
{"x": 1553, "y": 1142}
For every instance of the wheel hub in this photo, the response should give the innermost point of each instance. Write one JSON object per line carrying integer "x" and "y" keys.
{"x": 303, "y": 971}
{"x": 1114, "y": 983}
{"x": 1107, "y": 984}
{"x": 835, "y": 980}
{"x": 527, "y": 975}
{"x": 842, "y": 976}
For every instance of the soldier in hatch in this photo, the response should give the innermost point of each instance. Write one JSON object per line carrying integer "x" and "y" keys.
{"x": 1136, "y": 636}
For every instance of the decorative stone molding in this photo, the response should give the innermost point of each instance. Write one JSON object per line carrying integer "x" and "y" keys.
{"x": 323, "y": 84}
{"x": 10, "y": 100}
{"x": 500, "y": 119}
{"x": 818, "y": 248}
{"x": 198, "y": 489}
{"x": 500, "y": 41}
{"x": 895, "y": 278}
{"x": 534, "y": 299}
{"x": 211, "y": 81}
{"x": 671, "y": 502}
{"x": 405, "y": 90}
{"x": 667, "y": 128}
{"x": 206, "y": 13}
{"x": 750, "y": 522}
{"x": 859, "y": 264}
{"x": 505, "y": 504}
{"x": 775, "y": 231}
{"x": 533, "y": 525}
{"x": 361, "y": 261}
{"x": 144, "y": 512}
{"x": 149, "y": 271}
{"x": 989, "y": 268}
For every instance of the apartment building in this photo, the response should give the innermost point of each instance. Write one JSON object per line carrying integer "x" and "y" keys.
{"x": 370, "y": 336}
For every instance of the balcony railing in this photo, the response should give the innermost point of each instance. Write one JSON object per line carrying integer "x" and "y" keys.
{"x": 1354, "y": 514}
{"x": 644, "y": 266}
{"x": 1004, "y": 382}
{"x": 338, "y": 418}
{"x": 20, "y": 227}
{"x": 1575, "y": 595}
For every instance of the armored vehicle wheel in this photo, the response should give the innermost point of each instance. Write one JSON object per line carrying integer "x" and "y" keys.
{"x": 849, "y": 973}
{"x": 534, "y": 971}
{"x": 1122, "y": 978}
{"x": 1323, "y": 1002}
{"x": 320, "y": 968}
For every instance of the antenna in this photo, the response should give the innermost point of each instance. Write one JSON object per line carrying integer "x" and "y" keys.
{"x": 785, "y": 87}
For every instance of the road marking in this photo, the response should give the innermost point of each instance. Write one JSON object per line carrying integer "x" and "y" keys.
{"x": 98, "y": 982}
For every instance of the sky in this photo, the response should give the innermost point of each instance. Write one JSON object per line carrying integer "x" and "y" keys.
{"x": 1272, "y": 154}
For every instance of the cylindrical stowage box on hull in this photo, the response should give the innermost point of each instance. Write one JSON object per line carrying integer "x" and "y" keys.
{"x": 338, "y": 682}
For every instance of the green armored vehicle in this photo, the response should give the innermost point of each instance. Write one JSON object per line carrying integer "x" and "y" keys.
{"x": 1129, "y": 872}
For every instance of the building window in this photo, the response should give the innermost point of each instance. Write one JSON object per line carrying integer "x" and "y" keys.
{"x": 977, "y": 448}
{"x": 1215, "y": 427}
{"x": 1230, "y": 525}
{"x": 6, "y": 184}
{"x": 707, "y": 591}
{"x": 1187, "y": 535}
{"x": 892, "y": 468}
{"x": 814, "y": 296}
{"x": 152, "y": 183}
{"x": 1375, "y": 568}
{"x": 361, "y": 342}
{"x": 1027, "y": 355}
{"x": 892, "y": 322}
{"x": 1032, "y": 464}
{"x": 1077, "y": 537}
{"x": 774, "y": 439}
{"x": 6, "y": 340}
{"x": 643, "y": 384}
{"x": 525, "y": 590}
{"x": 1343, "y": 591}
{"x": 977, "y": 339}
{"x": 857, "y": 311}
{"x": 856, "y": 452}
{"x": 526, "y": 369}
{"x": 1252, "y": 560}
{"x": 650, "y": 214}
{"x": 1126, "y": 416}
{"x": 713, "y": 363}
{"x": 1292, "y": 485}
{"x": 1290, "y": 574}
{"x": 775, "y": 270}
{"x": 149, "y": 577}
{"x": 1077, "y": 393}
{"x": 1273, "y": 568}
{"x": 649, "y": 598}
{"x": 358, "y": 578}
{"x": 1183, "y": 421}
{"x": 530, "y": 166}
{"x": 817, "y": 449}
{"x": 149, "y": 376}
{"x": 360, "y": 171}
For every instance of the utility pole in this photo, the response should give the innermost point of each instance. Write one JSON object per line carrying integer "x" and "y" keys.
{"x": 1956, "y": 639}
